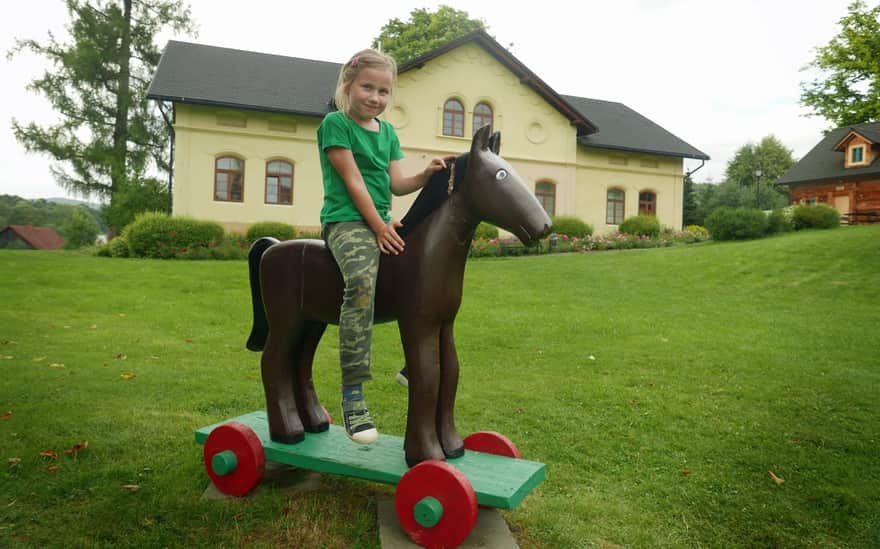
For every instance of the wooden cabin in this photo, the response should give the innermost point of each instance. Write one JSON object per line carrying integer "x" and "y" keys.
{"x": 842, "y": 171}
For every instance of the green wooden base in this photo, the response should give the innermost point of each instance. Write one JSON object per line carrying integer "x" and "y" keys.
{"x": 498, "y": 481}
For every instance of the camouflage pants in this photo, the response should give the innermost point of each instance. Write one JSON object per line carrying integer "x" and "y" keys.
{"x": 355, "y": 250}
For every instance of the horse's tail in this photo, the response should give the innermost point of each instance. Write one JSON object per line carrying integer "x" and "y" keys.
{"x": 260, "y": 330}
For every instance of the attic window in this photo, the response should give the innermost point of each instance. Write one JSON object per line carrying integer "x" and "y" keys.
{"x": 857, "y": 154}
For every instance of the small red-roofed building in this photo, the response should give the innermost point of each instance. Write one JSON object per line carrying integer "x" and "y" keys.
{"x": 28, "y": 237}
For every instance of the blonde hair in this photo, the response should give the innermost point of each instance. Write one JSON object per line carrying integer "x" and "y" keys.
{"x": 364, "y": 59}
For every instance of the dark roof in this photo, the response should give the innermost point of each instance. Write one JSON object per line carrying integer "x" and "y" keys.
{"x": 623, "y": 129}
{"x": 238, "y": 79}
{"x": 208, "y": 75}
{"x": 823, "y": 162}
{"x": 38, "y": 238}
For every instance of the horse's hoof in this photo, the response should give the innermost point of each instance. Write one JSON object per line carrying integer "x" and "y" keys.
{"x": 319, "y": 428}
{"x": 288, "y": 439}
{"x": 457, "y": 453}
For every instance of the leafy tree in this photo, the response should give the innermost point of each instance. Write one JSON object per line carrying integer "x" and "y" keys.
{"x": 107, "y": 139}
{"x": 689, "y": 202}
{"x": 757, "y": 167}
{"x": 149, "y": 196}
{"x": 80, "y": 229}
{"x": 424, "y": 31}
{"x": 848, "y": 88}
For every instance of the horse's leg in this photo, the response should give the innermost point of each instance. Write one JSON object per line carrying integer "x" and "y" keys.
{"x": 310, "y": 410}
{"x": 420, "y": 346}
{"x": 277, "y": 365}
{"x": 453, "y": 446}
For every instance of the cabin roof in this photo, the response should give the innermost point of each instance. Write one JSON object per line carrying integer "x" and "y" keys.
{"x": 826, "y": 160}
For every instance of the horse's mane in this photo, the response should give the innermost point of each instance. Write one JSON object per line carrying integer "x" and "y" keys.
{"x": 433, "y": 194}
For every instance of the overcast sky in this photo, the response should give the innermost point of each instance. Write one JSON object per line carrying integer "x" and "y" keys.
{"x": 718, "y": 74}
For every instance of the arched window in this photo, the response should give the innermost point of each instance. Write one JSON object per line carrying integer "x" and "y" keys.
{"x": 453, "y": 118}
{"x": 229, "y": 179}
{"x": 614, "y": 209}
{"x": 647, "y": 203}
{"x": 482, "y": 116}
{"x": 279, "y": 182}
{"x": 545, "y": 192}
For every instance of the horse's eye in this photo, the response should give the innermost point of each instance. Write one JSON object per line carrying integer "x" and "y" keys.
{"x": 501, "y": 175}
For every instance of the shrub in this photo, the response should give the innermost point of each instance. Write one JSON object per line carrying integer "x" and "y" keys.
{"x": 814, "y": 216}
{"x": 736, "y": 223}
{"x": 486, "y": 231}
{"x": 118, "y": 247}
{"x": 571, "y": 226}
{"x": 778, "y": 222}
{"x": 697, "y": 229}
{"x": 485, "y": 247}
{"x": 281, "y": 231}
{"x": 157, "y": 235}
{"x": 641, "y": 225}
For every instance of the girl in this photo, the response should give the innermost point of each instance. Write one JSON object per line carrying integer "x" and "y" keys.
{"x": 360, "y": 164}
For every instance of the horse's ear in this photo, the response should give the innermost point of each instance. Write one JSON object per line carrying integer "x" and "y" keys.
{"x": 481, "y": 139}
{"x": 495, "y": 143}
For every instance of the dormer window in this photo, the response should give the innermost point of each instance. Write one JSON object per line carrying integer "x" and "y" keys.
{"x": 859, "y": 148}
{"x": 857, "y": 154}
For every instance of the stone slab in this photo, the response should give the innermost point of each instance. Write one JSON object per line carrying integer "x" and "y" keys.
{"x": 490, "y": 532}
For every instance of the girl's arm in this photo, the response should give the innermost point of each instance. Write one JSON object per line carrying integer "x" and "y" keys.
{"x": 386, "y": 235}
{"x": 401, "y": 185}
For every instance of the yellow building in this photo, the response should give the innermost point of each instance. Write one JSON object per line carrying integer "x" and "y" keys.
{"x": 244, "y": 127}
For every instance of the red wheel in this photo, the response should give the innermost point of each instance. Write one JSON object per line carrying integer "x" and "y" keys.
{"x": 436, "y": 504}
{"x": 234, "y": 458}
{"x": 491, "y": 442}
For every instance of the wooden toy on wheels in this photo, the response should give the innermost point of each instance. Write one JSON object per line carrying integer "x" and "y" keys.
{"x": 437, "y": 502}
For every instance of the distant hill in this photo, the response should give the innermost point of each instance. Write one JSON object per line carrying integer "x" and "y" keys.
{"x": 44, "y": 212}
{"x": 74, "y": 202}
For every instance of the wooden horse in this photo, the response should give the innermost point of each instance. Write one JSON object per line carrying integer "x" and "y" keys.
{"x": 297, "y": 290}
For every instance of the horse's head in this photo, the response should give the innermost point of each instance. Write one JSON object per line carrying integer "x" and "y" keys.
{"x": 496, "y": 194}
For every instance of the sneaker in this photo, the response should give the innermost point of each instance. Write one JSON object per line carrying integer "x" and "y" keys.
{"x": 401, "y": 377}
{"x": 359, "y": 425}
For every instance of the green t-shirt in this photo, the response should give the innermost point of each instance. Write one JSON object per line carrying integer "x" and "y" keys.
{"x": 373, "y": 153}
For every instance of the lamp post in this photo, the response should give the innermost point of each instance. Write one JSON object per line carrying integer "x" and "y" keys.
{"x": 758, "y": 174}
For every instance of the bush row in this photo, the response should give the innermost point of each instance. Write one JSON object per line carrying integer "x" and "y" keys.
{"x": 157, "y": 235}
{"x": 497, "y": 247}
{"x": 746, "y": 223}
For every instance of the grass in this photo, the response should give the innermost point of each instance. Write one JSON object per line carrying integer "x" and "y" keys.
{"x": 659, "y": 386}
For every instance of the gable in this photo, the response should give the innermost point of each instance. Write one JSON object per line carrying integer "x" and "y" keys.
{"x": 524, "y": 75}
{"x": 471, "y": 76}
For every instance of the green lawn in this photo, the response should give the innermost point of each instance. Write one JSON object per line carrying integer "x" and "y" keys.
{"x": 659, "y": 386}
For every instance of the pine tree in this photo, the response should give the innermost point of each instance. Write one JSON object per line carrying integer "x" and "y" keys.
{"x": 107, "y": 140}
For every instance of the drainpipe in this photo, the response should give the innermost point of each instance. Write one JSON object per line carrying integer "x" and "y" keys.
{"x": 170, "y": 124}
{"x": 686, "y": 176}
{"x": 692, "y": 172}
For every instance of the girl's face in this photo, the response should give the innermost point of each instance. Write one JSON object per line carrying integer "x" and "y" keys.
{"x": 369, "y": 93}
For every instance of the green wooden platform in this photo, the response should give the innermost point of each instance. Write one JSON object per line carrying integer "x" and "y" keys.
{"x": 498, "y": 481}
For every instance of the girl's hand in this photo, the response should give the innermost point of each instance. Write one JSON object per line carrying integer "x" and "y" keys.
{"x": 389, "y": 241}
{"x": 436, "y": 165}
